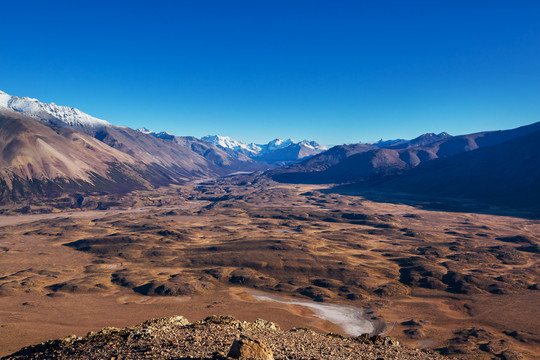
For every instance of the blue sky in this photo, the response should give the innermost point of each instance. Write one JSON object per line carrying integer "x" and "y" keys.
{"x": 331, "y": 71}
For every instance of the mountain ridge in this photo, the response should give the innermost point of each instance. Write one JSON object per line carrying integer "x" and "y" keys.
{"x": 347, "y": 161}
{"x": 47, "y": 150}
{"x": 277, "y": 151}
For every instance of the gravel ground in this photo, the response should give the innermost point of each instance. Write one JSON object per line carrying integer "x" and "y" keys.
{"x": 211, "y": 338}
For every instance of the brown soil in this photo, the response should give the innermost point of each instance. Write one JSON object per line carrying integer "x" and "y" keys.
{"x": 461, "y": 283}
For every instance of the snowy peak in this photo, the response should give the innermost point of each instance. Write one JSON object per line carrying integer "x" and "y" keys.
{"x": 232, "y": 144}
{"x": 312, "y": 145}
{"x": 162, "y": 135}
{"x": 275, "y": 151}
{"x": 278, "y": 144}
{"x": 144, "y": 131}
{"x": 50, "y": 112}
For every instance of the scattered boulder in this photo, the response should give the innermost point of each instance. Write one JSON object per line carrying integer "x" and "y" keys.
{"x": 220, "y": 320}
{"x": 250, "y": 349}
{"x": 264, "y": 324}
{"x": 166, "y": 322}
{"x": 376, "y": 340}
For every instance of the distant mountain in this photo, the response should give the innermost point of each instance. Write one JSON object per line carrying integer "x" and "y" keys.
{"x": 46, "y": 150}
{"x": 422, "y": 140}
{"x": 351, "y": 163}
{"x": 277, "y": 151}
{"x": 385, "y": 143}
{"x": 428, "y": 138}
{"x": 505, "y": 173}
{"x": 161, "y": 135}
{"x": 232, "y": 144}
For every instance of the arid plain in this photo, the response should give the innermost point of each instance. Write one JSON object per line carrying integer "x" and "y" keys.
{"x": 465, "y": 284}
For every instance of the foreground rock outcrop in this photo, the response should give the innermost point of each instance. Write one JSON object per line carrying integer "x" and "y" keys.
{"x": 217, "y": 337}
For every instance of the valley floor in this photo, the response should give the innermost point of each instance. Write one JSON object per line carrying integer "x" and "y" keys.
{"x": 464, "y": 284}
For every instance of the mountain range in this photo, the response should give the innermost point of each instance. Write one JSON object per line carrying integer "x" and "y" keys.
{"x": 495, "y": 167}
{"x": 47, "y": 149}
{"x": 276, "y": 152}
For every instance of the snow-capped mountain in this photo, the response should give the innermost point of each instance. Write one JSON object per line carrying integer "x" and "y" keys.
{"x": 232, "y": 144}
{"x": 162, "y": 134}
{"x": 278, "y": 144}
{"x": 50, "y": 112}
{"x": 277, "y": 151}
{"x": 49, "y": 150}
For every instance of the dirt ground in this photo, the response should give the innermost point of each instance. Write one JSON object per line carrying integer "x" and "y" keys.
{"x": 465, "y": 284}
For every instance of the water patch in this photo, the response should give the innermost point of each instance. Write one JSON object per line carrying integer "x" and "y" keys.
{"x": 352, "y": 320}
{"x": 112, "y": 266}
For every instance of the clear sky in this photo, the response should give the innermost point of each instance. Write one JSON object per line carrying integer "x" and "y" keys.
{"x": 331, "y": 71}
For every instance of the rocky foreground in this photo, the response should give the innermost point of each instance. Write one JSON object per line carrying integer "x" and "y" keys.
{"x": 218, "y": 337}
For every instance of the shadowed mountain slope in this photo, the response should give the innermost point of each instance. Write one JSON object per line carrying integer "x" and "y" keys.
{"x": 351, "y": 163}
{"x": 507, "y": 173}
{"x": 48, "y": 158}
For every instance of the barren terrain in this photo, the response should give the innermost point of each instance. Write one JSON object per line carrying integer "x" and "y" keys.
{"x": 464, "y": 284}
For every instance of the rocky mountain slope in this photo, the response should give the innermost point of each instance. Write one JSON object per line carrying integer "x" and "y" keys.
{"x": 46, "y": 150}
{"x": 218, "y": 337}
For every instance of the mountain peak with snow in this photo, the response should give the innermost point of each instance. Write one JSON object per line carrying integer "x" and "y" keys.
{"x": 232, "y": 144}
{"x": 162, "y": 134}
{"x": 35, "y": 109}
{"x": 275, "y": 151}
